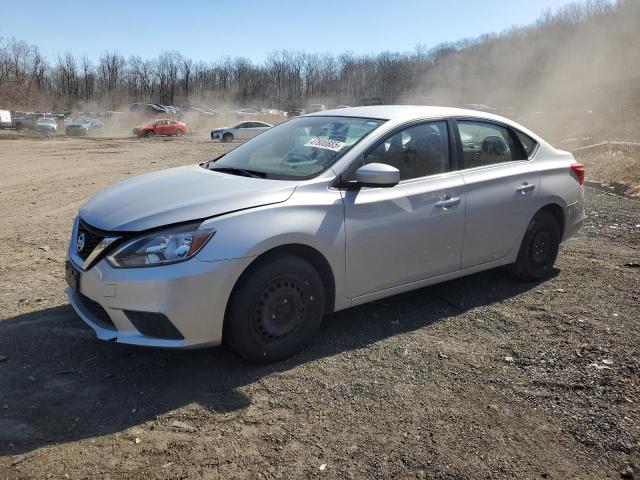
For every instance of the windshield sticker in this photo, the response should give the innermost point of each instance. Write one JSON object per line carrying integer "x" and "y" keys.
{"x": 333, "y": 145}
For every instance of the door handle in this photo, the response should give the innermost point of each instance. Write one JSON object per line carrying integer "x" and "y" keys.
{"x": 525, "y": 188}
{"x": 448, "y": 202}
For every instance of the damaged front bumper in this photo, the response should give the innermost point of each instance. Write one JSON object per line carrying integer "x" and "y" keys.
{"x": 180, "y": 305}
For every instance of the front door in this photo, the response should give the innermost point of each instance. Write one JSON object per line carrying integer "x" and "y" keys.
{"x": 413, "y": 230}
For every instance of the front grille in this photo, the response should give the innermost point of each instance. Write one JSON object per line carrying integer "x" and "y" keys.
{"x": 153, "y": 324}
{"x": 98, "y": 314}
{"x": 91, "y": 239}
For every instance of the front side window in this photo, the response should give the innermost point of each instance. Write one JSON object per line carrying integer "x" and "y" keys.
{"x": 301, "y": 148}
{"x": 485, "y": 144}
{"x": 417, "y": 151}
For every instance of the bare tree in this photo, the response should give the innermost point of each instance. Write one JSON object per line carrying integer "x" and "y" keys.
{"x": 111, "y": 70}
{"x": 567, "y": 61}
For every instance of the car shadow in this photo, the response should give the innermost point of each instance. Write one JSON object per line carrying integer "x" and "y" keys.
{"x": 60, "y": 384}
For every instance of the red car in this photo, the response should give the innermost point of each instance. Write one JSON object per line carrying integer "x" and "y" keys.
{"x": 160, "y": 126}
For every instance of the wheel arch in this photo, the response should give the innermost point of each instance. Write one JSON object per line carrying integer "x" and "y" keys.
{"x": 305, "y": 252}
{"x": 558, "y": 213}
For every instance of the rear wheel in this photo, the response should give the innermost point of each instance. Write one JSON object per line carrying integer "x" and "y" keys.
{"x": 227, "y": 137}
{"x": 538, "y": 250}
{"x": 149, "y": 133}
{"x": 275, "y": 310}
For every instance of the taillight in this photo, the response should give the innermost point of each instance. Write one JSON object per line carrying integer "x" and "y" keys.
{"x": 578, "y": 169}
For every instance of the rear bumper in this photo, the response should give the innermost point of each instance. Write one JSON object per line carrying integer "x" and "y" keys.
{"x": 191, "y": 295}
{"x": 574, "y": 216}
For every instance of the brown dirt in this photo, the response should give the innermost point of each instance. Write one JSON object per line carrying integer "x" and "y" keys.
{"x": 613, "y": 165}
{"x": 481, "y": 377}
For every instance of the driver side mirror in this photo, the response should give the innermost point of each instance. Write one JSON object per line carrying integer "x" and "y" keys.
{"x": 377, "y": 175}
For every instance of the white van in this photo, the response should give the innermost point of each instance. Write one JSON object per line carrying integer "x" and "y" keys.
{"x": 5, "y": 118}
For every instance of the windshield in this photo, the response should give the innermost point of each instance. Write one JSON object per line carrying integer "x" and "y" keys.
{"x": 298, "y": 149}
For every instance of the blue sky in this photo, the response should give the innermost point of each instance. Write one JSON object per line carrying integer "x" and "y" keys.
{"x": 209, "y": 29}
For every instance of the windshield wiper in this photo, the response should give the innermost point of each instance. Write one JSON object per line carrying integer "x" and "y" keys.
{"x": 240, "y": 171}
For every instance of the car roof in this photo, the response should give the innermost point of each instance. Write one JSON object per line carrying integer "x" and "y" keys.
{"x": 401, "y": 113}
{"x": 392, "y": 112}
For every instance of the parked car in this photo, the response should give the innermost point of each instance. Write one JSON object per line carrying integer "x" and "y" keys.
{"x": 318, "y": 214}
{"x": 196, "y": 111}
{"x": 47, "y": 125}
{"x": 295, "y": 112}
{"x": 274, "y": 112}
{"x": 481, "y": 107}
{"x": 244, "y": 112}
{"x": 28, "y": 121}
{"x": 5, "y": 119}
{"x": 370, "y": 101}
{"x": 207, "y": 108}
{"x": 240, "y": 131}
{"x": 83, "y": 126}
{"x": 160, "y": 126}
{"x": 316, "y": 107}
{"x": 136, "y": 107}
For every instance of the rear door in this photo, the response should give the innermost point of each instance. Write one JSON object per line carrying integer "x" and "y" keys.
{"x": 254, "y": 129}
{"x": 413, "y": 230}
{"x": 242, "y": 131}
{"x": 171, "y": 127}
{"x": 501, "y": 189}
{"x": 250, "y": 131}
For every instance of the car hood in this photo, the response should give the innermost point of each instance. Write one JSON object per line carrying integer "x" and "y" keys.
{"x": 178, "y": 195}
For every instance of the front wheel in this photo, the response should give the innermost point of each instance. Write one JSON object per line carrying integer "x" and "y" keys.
{"x": 179, "y": 133}
{"x": 275, "y": 310}
{"x": 227, "y": 137}
{"x": 538, "y": 250}
{"x": 149, "y": 133}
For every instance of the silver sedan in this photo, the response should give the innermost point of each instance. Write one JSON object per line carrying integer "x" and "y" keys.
{"x": 240, "y": 131}
{"x": 318, "y": 214}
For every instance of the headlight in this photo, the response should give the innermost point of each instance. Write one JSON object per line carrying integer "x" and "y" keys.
{"x": 162, "y": 247}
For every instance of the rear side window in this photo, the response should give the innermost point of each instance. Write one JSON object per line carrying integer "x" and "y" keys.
{"x": 417, "y": 151}
{"x": 528, "y": 144}
{"x": 486, "y": 144}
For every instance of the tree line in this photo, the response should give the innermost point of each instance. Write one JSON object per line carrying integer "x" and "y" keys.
{"x": 585, "y": 54}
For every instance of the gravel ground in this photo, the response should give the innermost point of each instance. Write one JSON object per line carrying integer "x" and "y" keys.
{"x": 480, "y": 377}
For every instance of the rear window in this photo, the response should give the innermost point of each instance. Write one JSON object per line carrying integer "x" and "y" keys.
{"x": 528, "y": 144}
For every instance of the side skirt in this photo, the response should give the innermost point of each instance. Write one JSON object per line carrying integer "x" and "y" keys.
{"x": 388, "y": 292}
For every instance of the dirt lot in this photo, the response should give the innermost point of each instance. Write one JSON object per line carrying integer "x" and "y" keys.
{"x": 476, "y": 378}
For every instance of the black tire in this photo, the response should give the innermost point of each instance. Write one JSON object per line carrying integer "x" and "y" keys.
{"x": 275, "y": 310}
{"x": 179, "y": 133}
{"x": 149, "y": 133}
{"x": 538, "y": 250}
{"x": 227, "y": 137}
